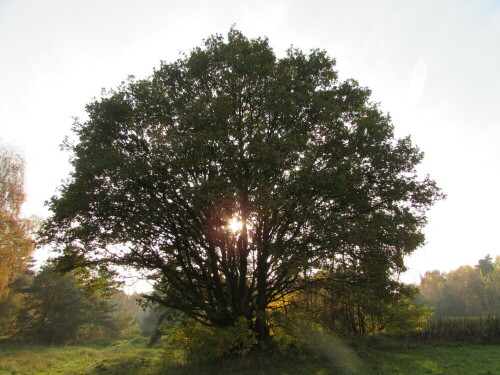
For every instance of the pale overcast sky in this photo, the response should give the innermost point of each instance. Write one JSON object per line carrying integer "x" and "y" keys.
{"x": 433, "y": 65}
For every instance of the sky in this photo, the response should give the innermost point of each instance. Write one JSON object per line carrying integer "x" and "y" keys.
{"x": 433, "y": 65}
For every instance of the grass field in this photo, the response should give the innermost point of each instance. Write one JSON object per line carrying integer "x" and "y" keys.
{"x": 435, "y": 359}
{"x": 124, "y": 358}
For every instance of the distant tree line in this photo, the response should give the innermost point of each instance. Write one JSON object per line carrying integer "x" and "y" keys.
{"x": 466, "y": 291}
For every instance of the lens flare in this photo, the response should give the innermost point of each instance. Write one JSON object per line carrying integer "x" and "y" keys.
{"x": 235, "y": 225}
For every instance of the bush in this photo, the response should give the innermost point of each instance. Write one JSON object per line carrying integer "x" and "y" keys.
{"x": 203, "y": 343}
{"x": 287, "y": 328}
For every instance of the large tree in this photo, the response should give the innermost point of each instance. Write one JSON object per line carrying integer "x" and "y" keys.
{"x": 230, "y": 174}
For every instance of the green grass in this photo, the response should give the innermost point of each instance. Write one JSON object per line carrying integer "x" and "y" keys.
{"x": 438, "y": 358}
{"x": 120, "y": 359}
{"x": 324, "y": 357}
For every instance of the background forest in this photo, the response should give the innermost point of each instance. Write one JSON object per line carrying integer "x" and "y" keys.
{"x": 466, "y": 291}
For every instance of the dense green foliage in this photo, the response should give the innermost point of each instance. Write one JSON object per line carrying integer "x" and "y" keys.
{"x": 466, "y": 291}
{"x": 307, "y": 165}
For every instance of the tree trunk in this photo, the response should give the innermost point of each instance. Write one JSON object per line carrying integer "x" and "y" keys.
{"x": 261, "y": 327}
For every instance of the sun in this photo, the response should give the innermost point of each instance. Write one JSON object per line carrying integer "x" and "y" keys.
{"x": 235, "y": 225}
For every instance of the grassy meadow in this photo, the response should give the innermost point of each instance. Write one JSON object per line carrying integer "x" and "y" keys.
{"x": 330, "y": 356}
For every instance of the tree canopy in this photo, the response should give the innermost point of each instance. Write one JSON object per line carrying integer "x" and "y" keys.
{"x": 230, "y": 174}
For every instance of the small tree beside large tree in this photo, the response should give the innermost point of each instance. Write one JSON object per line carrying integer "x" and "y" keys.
{"x": 230, "y": 175}
{"x": 58, "y": 310}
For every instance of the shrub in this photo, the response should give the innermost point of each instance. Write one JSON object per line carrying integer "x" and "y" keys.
{"x": 205, "y": 343}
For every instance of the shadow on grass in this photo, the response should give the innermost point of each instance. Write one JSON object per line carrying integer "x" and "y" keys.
{"x": 257, "y": 364}
{"x": 324, "y": 355}
{"x": 263, "y": 363}
{"x": 329, "y": 356}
